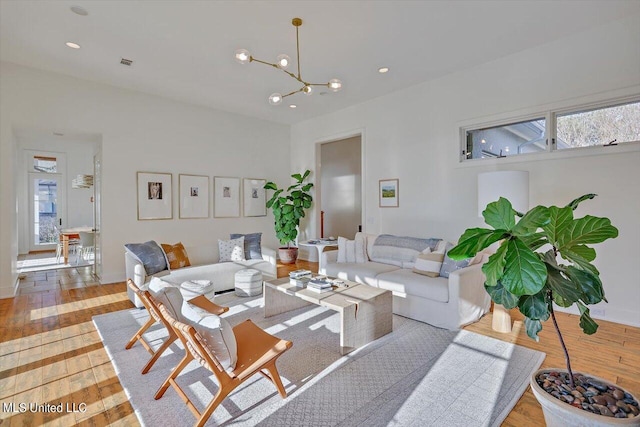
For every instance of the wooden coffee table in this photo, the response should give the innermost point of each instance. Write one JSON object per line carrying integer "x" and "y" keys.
{"x": 365, "y": 311}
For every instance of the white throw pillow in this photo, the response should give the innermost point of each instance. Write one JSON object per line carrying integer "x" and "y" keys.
{"x": 361, "y": 247}
{"x": 351, "y": 251}
{"x": 231, "y": 250}
{"x": 167, "y": 295}
{"x": 217, "y": 333}
{"x": 342, "y": 249}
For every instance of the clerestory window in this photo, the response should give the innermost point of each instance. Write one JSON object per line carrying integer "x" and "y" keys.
{"x": 603, "y": 125}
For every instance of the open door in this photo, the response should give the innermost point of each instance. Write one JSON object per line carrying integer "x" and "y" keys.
{"x": 97, "y": 216}
{"x": 341, "y": 188}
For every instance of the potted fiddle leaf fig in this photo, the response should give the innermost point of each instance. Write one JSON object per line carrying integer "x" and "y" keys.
{"x": 288, "y": 208}
{"x": 544, "y": 259}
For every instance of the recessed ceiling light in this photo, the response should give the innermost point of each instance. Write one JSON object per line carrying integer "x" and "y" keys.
{"x": 383, "y": 70}
{"x": 293, "y": 106}
{"x": 73, "y": 45}
{"x": 79, "y": 10}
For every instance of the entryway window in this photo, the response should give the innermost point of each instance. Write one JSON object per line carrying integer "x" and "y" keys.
{"x": 45, "y": 164}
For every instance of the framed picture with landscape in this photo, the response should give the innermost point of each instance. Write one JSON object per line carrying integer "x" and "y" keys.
{"x": 194, "y": 196}
{"x": 254, "y": 197}
{"x": 154, "y": 196}
{"x": 389, "y": 196}
{"x": 226, "y": 197}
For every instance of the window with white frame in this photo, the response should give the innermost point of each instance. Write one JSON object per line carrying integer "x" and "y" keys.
{"x": 606, "y": 124}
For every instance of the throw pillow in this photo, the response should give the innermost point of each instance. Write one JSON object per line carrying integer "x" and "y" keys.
{"x": 176, "y": 255}
{"x": 252, "y": 244}
{"x": 361, "y": 247}
{"x": 217, "y": 334}
{"x": 449, "y": 265}
{"x": 168, "y": 295}
{"x": 351, "y": 251}
{"x": 342, "y": 249}
{"x": 428, "y": 263}
{"x": 231, "y": 250}
{"x": 150, "y": 254}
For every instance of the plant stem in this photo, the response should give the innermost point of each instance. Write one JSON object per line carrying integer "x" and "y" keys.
{"x": 564, "y": 347}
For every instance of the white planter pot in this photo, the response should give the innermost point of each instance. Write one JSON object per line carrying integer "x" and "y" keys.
{"x": 560, "y": 414}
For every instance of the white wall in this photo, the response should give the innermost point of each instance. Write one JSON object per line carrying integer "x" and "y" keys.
{"x": 414, "y": 135}
{"x": 139, "y": 133}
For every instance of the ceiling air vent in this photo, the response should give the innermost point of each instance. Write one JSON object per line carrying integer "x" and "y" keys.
{"x": 127, "y": 62}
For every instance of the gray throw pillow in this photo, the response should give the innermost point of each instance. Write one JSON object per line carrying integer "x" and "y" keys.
{"x": 449, "y": 265}
{"x": 150, "y": 254}
{"x": 252, "y": 245}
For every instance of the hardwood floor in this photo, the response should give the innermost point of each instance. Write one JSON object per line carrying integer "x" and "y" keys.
{"x": 51, "y": 353}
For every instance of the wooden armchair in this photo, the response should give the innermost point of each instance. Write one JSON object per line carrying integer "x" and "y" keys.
{"x": 257, "y": 351}
{"x": 152, "y": 306}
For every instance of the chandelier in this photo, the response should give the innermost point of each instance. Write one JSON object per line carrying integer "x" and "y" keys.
{"x": 282, "y": 62}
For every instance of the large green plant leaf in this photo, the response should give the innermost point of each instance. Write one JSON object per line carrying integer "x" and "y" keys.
{"x": 524, "y": 272}
{"x": 575, "y": 202}
{"x": 588, "y": 325}
{"x": 565, "y": 292}
{"x": 580, "y": 261}
{"x": 502, "y": 296}
{"x": 500, "y": 215}
{"x": 531, "y": 221}
{"x": 588, "y": 283}
{"x": 583, "y": 251}
{"x": 589, "y": 229}
{"x": 493, "y": 269}
{"x": 473, "y": 241}
{"x": 534, "y": 241}
{"x": 532, "y": 327}
{"x": 535, "y": 306}
{"x": 559, "y": 220}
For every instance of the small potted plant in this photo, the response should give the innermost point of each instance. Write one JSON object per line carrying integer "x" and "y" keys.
{"x": 288, "y": 208}
{"x": 542, "y": 259}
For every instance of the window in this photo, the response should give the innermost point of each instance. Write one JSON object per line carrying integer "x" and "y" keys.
{"x": 606, "y": 125}
{"x": 507, "y": 140}
{"x": 45, "y": 164}
{"x": 602, "y": 126}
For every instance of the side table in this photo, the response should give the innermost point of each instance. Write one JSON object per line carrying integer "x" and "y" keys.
{"x": 320, "y": 246}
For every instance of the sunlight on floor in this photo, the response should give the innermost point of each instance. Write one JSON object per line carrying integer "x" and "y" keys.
{"x": 69, "y": 307}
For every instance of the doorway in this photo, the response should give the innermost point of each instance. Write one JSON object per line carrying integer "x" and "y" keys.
{"x": 341, "y": 187}
{"x": 46, "y": 201}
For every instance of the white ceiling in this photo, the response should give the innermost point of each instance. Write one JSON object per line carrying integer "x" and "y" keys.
{"x": 183, "y": 50}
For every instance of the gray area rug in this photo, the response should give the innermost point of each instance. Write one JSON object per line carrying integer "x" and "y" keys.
{"x": 417, "y": 375}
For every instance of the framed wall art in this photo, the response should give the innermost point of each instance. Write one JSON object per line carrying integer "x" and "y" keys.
{"x": 194, "y": 196}
{"x": 254, "y": 197}
{"x": 389, "y": 197}
{"x": 226, "y": 197}
{"x": 154, "y": 195}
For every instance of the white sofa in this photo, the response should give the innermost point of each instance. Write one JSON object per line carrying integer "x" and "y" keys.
{"x": 204, "y": 266}
{"x": 446, "y": 303}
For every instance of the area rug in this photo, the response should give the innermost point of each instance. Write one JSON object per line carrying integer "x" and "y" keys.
{"x": 416, "y": 375}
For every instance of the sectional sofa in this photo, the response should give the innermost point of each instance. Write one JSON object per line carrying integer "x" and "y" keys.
{"x": 448, "y": 303}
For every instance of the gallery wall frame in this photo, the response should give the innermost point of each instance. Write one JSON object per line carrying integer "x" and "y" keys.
{"x": 155, "y": 199}
{"x": 226, "y": 197}
{"x": 254, "y": 197}
{"x": 193, "y": 196}
{"x": 389, "y": 196}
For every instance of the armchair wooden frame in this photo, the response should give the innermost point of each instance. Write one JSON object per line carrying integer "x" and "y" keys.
{"x": 257, "y": 352}
{"x": 152, "y": 306}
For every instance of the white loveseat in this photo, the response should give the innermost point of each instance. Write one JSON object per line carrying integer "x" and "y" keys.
{"x": 204, "y": 266}
{"x": 448, "y": 303}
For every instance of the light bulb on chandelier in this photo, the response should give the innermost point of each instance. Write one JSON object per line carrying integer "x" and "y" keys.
{"x": 243, "y": 56}
{"x": 275, "y": 99}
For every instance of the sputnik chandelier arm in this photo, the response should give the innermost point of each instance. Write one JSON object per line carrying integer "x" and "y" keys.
{"x": 282, "y": 62}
